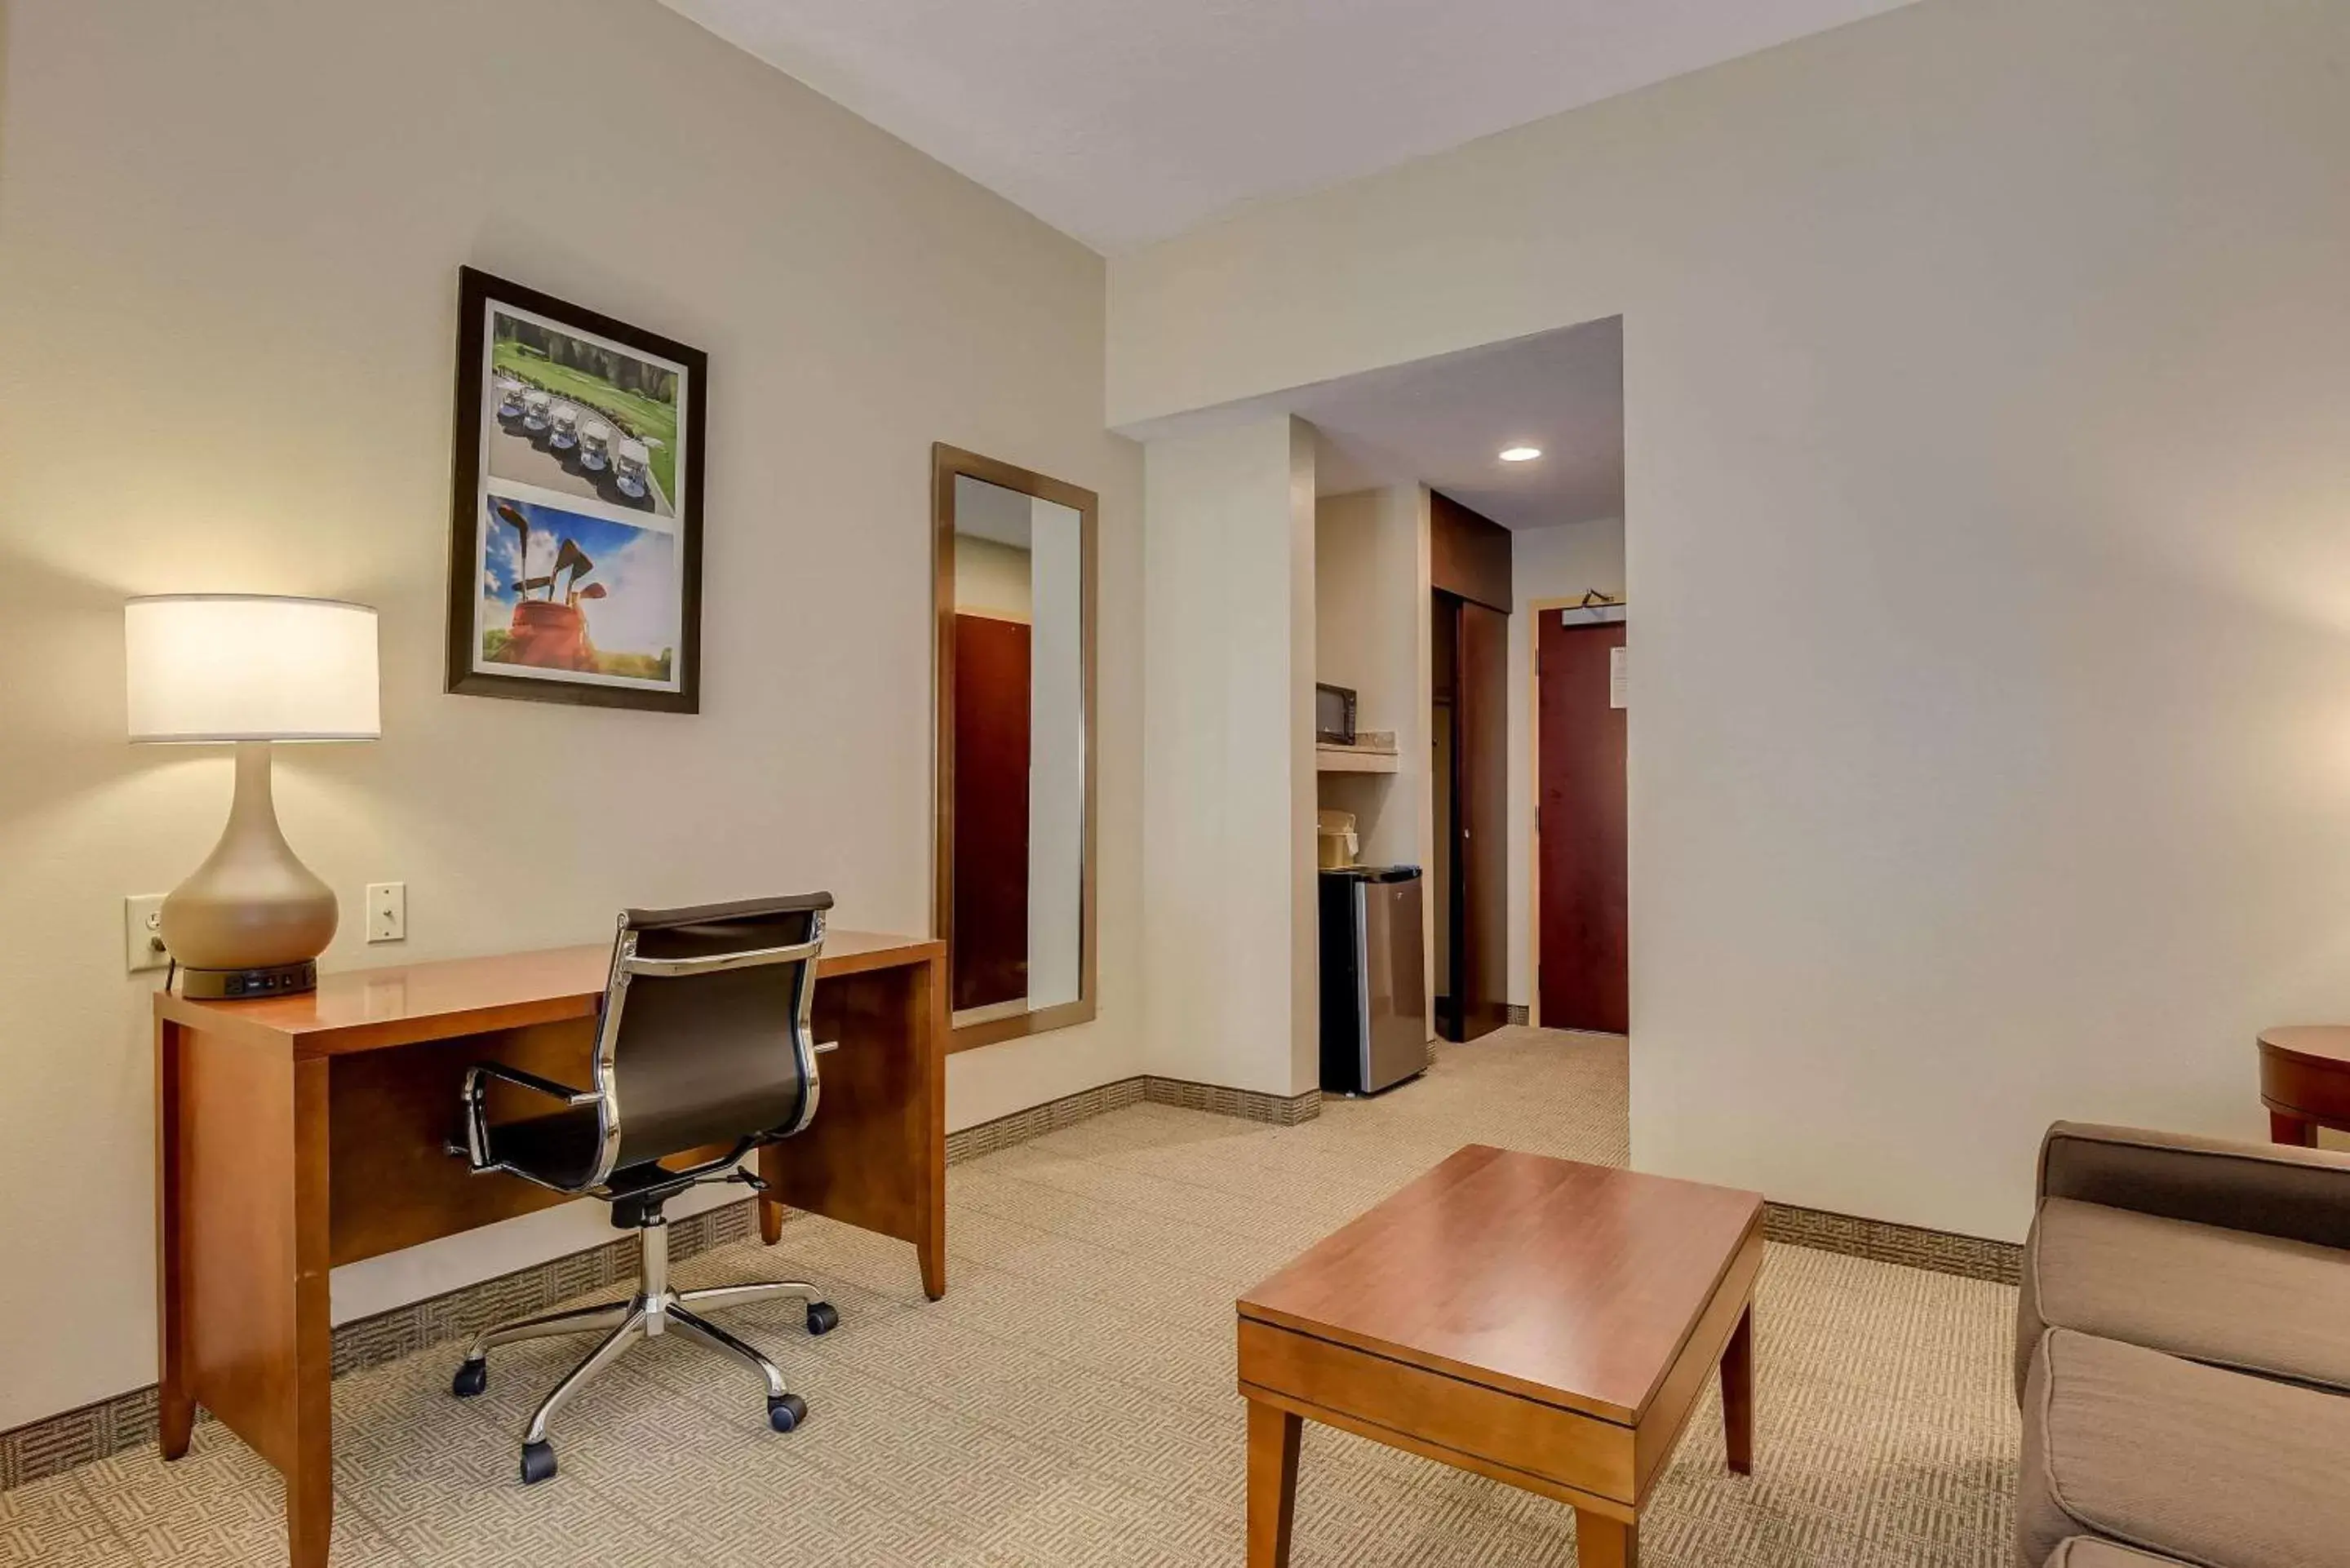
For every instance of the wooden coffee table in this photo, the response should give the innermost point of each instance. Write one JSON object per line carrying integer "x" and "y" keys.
{"x": 2305, "y": 1081}
{"x": 1547, "y": 1323}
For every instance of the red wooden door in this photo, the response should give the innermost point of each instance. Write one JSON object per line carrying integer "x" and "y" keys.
{"x": 990, "y": 812}
{"x": 1584, "y": 947}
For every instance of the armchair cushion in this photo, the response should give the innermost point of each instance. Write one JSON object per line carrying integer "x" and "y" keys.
{"x": 2088, "y": 1552}
{"x": 2233, "y": 1299}
{"x": 2297, "y": 1194}
{"x": 2212, "y": 1467}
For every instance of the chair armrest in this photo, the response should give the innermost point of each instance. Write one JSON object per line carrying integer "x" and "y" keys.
{"x": 531, "y": 1081}
{"x": 476, "y": 1149}
{"x": 2268, "y": 1190}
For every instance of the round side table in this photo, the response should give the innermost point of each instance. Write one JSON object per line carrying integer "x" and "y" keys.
{"x": 2305, "y": 1081}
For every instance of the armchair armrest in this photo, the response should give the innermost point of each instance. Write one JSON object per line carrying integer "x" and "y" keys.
{"x": 477, "y": 1129}
{"x": 2268, "y": 1190}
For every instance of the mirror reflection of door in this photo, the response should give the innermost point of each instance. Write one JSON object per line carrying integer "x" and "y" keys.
{"x": 1017, "y": 719}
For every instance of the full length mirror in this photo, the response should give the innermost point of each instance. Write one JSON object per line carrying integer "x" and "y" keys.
{"x": 1015, "y": 638}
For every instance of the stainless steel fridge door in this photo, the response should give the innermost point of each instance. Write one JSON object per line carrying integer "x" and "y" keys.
{"x": 1394, "y": 980}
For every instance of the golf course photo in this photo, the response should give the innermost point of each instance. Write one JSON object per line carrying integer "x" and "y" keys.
{"x": 581, "y": 417}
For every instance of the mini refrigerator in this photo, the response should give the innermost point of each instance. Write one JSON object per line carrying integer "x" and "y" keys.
{"x": 1374, "y": 978}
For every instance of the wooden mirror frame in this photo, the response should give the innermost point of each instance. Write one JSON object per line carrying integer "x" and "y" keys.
{"x": 947, "y": 465}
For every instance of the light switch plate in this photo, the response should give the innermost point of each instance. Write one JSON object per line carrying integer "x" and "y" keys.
{"x": 142, "y": 932}
{"x": 387, "y": 912}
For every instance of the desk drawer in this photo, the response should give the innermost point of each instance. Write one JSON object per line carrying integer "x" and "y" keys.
{"x": 1571, "y": 1450}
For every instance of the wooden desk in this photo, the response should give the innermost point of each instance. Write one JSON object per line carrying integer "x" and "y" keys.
{"x": 296, "y": 1133}
{"x": 1543, "y": 1322}
{"x": 2305, "y": 1081}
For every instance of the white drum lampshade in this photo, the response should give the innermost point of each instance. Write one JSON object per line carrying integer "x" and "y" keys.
{"x": 242, "y": 667}
{"x": 250, "y": 668}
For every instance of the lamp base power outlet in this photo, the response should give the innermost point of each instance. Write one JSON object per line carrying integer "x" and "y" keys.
{"x": 271, "y": 980}
{"x": 387, "y": 912}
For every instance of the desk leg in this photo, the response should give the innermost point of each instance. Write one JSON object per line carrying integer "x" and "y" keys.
{"x": 927, "y": 1023}
{"x": 175, "y": 1400}
{"x": 1604, "y": 1542}
{"x": 243, "y": 1178}
{"x": 1273, "y": 1435}
{"x": 310, "y": 1514}
{"x": 310, "y": 1466}
{"x": 2292, "y": 1130}
{"x": 925, "y": 1026}
{"x": 1738, "y": 1393}
{"x": 876, "y": 1156}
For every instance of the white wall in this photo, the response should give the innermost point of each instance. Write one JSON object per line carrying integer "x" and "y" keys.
{"x": 1990, "y": 525}
{"x": 229, "y": 237}
{"x": 1228, "y": 932}
{"x": 1556, "y": 563}
{"x": 1370, "y": 629}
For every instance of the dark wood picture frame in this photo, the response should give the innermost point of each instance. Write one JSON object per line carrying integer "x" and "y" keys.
{"x": 477, "y": 292}
{"x": 948, "y": 463}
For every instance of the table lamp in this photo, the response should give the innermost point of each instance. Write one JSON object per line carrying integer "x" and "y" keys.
{"x": 249, "y": 668}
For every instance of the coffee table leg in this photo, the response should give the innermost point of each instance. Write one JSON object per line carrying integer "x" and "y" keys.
{"x": 1604, "y": 1542}
{"x": 2286, "y": 1129}
{"x": 1738, "y": 1393}
{"x": 1273, "y": 1435}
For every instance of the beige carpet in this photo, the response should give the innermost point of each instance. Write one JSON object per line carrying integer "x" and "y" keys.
{"x": 1071, "y": 1401}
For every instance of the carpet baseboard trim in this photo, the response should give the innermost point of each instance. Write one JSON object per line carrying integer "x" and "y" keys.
{"x": 55, "y": 1444}
{"x": 1881, "y": 1240}
{"x": 1020, "y": 1127}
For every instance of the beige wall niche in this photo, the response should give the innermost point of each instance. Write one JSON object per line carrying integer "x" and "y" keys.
{"x": 1371, "y": 633}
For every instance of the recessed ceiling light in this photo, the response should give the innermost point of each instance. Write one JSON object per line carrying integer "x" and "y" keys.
{"x": 1520, "y": 453}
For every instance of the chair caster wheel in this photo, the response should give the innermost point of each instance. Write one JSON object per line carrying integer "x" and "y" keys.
{"x": 786, "y": 1411}
{"x": 822, "y": 1317}
{"x": 537, "y": 1462}
{"x": 471, "y": 1379}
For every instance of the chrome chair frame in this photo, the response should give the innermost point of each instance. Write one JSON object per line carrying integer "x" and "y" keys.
{"x": 654, "y": 1308}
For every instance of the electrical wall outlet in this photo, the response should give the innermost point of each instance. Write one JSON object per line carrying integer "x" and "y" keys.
{"x": 142, "y": 932}
{"x": 387, "y": 912}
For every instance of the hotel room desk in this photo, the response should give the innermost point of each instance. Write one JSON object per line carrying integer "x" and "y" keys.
{"x": 296, "y": 1133}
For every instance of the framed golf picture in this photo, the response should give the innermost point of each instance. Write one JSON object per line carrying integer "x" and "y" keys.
{"x": 575, "y": 558}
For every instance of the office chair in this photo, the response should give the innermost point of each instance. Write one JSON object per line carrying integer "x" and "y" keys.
{"x": 702, "y": 1042}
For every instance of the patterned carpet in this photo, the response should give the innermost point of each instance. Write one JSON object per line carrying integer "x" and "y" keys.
{"x": 1071, "y": 1401}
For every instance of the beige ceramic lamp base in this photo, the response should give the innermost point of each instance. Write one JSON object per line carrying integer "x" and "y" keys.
{"x": 252, "y": 918}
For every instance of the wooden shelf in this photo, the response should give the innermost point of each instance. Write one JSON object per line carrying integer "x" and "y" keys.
{"x": 1374, "y": 751}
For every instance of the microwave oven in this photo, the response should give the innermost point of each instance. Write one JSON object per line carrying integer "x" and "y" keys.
{"x": 1333, "y": 715}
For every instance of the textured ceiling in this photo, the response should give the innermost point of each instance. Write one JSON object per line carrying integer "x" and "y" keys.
{"x": 1123, "y": 121}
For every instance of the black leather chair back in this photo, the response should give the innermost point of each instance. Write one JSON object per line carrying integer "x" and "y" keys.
{"x": 719, "y": 1048}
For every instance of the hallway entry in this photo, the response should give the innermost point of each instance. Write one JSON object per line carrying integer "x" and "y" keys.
{"x": 1582, "y": 947}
